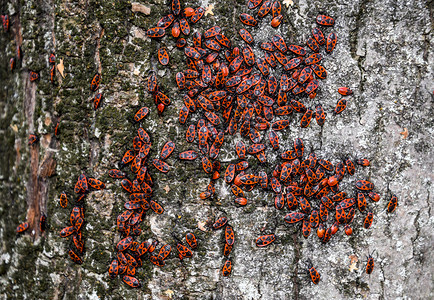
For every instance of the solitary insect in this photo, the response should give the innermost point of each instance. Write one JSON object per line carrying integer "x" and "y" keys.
{"x": 32, "y": 139}
{"x": 167, "y": 150}
{"x": 94, "y": 85}
{"x": 345, "y": 91}
{"x": 22, "y": 227}
{"x": 163, "y": 56}
{"x": 248, "y": 20}
{"x": 97, "y": 100}
{"x": 43, "y": 222}
{"x": 33, "y": 76}
{"x": 393, "y": 203}
{"x": 370, "y": 263}
{"x": 12, "y": 63}
{"x": 265, "y": 240}
{"x": 363, "y": 162}
{"x": 368, "y": 220}
{"x": 5, "y": 20}
{"x": 74, "y": 257}
{"x": 52, "y": 59}
{"x": 364, "y": 185}
{"x": 141, "y": 113}
{"x": 156, "y": 32}
{"x": 331, "y": 42}
{"x": 314, "y": 274}
{"x": 131, "y": 281}
{"x": 340, "y": 106}
{"x": 227, "y": 268}
{"x": 63, "y": 201}
{"x": 325, "y": 20}
{"x": 191, "y": 240}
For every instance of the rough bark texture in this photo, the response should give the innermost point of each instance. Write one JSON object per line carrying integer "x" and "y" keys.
{"x": 384, "y": 54}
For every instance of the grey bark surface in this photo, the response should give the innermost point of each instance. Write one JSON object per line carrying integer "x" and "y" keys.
{"x": 384, "y": 54}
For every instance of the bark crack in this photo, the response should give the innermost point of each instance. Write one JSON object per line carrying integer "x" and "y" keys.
{"x": 354, "y": 42}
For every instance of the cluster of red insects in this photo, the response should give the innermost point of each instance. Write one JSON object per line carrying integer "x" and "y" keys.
{"x": 129, "y": 252}
{"x": 12, "y": 62}
{"x": 76, "y": 218}
{"x": 221, "y": 79}
{"x": 229, "y": 243}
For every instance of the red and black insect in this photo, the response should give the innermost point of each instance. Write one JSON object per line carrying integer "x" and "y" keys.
{"x": 393, "y": 203}
{"x": 131, "y": 281}
{"x": 246, "y": 36}
{"x": 32, "y": 139}
{"x": 364, "y": 185}
{"x": 114, "y": 268}
{"x": 183, "y": 251}
{"x": 345, "y": 91}
{"x": 279, "y": 42}
{"x": 314, "y": 274}
{"x": 157, "y": 208}
{"x": 248, "y": 20}
{"x": 191, "y": 240}
{"x": 368, "y": 220}
{"x": 167, "y": 150}
{"x": 280, "y": 124}
{"x": 188, "y": 155}
{"x": 331, "y": 42}
{"x": 306, "y": 228}
{"x": 319, "y": 71}
{"x": 325, "y": 20}
{"x": 227, "y": 268}
{"x": 265, "y": 240}
{"x": 94, "y": 85}
{"x": 229, "y": 235}
{"x": 42, "y": 222}
{"x": 307, "y": 117}
{"x": 340, "y": 106}
{"x": 141, "y": 113}
{"x": 74, "y": 257}
{"x": 197, "y": 15}
{"x": 370, "y": 264}
{"x": 264, "y": 9}
{"x": 63, "y": 200}
{"x": 164, "y": 251}
{"x": 163, "y": 56}
{"x": 33, "y": 76}
{"x": 81, "y": 186}
{"x": 361, "y": 201}
{"x": 97, "y": 100}
{"x": 294, "y": 217}
{"x": 219, "y": 223}
{"x": 22, "y": 227}
{"x": 276, "y": 21}
{"x": 312, "y": 44}
{"x": 160, "y": 165}
{"x": 363, "y": 162}
{"x": 5, "y": 21}
{"x": 320, "y": 115}
{"x": 176, "y": 7}
{"x": 156, "y": 32}
{"x": 52, "y": 59}
{"x": 318, "y": 35}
